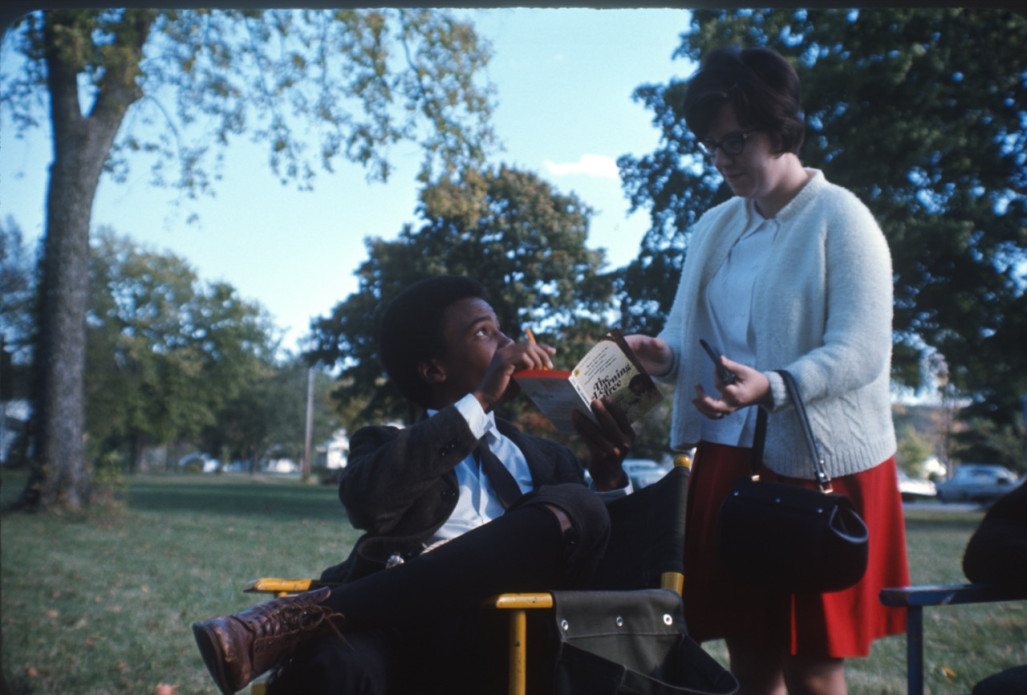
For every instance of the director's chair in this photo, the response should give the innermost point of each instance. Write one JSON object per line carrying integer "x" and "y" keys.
{"x": 646, "y": 550}
{"x": 915, "y": 598}
{"x": 637, "y": 588}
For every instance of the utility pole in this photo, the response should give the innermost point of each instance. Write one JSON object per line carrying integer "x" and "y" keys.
{"x": 310, "y": 424}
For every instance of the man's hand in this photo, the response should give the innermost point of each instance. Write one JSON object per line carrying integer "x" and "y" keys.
{"x": 654, "y": 354}
{"x": 496, "y": 386}
{"x": 608, "y": 443}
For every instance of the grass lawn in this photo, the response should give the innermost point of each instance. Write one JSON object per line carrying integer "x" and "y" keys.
{"x": 104, "y": 603}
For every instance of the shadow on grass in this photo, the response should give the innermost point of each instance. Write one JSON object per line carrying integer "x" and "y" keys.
{"x": 955, "y": 521}
{"x": 284, "y": 500}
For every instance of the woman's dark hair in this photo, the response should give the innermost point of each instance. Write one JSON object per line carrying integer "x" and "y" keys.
{"x": 758, "y": 83}
{"x": 411, "y": 329}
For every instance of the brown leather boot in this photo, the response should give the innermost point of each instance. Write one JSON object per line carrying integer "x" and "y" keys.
{"x": 238, "y": 648}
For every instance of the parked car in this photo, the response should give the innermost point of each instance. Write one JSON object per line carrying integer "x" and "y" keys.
{"x": 199, "y": 462}
{"x": 643, "y": 472}
{"x": 978, "y": 482}
{"x": 287, "y": 466}
{"x": 912, "y": 489}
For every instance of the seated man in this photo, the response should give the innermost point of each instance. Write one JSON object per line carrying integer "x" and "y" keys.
{"x": 512, "y": 515}
{"x": 997, "y": 551}
{"x": 997, "y": 554}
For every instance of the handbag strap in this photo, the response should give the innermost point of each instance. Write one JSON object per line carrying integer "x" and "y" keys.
{"x": 760, "y": 436}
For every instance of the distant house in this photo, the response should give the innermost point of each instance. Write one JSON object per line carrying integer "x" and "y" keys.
{"x": 333, "y": 454}
{"x": 331, "y": 457}
{"x": 14, "y": 417}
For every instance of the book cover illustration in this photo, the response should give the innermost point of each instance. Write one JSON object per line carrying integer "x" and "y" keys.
{"x": 610, "y": 368}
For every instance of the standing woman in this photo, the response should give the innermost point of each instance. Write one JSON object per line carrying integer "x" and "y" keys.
{"x": 791, "y": 273}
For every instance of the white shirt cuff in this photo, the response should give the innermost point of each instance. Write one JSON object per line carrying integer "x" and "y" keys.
{"x": 611, "y": 495}
{"x": 475, "y": 416}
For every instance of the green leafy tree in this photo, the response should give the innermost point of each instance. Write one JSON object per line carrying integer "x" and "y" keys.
{"x": 913, "y": 450}
{"x": 17, "y": 320}
{"x": 165, "y": 351}
{"x": 509, "y": 229}
{"x": 315, "y": 86}
{"x": 268, "y": 416}
{"x": 986, "y": 441}
{"x": 920, "y": 112}
{"x": 17, "y": 309}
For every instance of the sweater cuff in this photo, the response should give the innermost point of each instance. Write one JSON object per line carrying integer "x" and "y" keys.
{"x": 777, "y": 398}
{"x": 670, "y": 376}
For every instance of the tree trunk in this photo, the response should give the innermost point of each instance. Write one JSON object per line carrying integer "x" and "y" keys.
{"x": 136, "y": 452}
{"x": 81, "y": 146}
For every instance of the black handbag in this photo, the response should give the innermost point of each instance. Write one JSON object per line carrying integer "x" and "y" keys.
{"x": 787, "y": 538}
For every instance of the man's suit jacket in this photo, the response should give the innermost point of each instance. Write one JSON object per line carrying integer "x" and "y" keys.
{"x": 400, "y": 486}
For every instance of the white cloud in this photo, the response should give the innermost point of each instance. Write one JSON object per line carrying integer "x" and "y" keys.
{"x": 595, "y": 165}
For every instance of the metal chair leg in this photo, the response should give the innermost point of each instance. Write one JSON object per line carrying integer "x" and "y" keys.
{"x": 915, "y": 650}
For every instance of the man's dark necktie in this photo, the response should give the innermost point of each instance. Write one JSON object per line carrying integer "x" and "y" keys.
{"x": 502, "y": 480}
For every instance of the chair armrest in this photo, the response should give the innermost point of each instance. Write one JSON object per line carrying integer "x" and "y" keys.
{"x": 948, "y": 594}
{"x": 520, "y": 601}
{"x": 281, "y": 587}
{"x": 915, "y": 598}
{"x": 674, "y": 581}
{"x": 517, "y": 605}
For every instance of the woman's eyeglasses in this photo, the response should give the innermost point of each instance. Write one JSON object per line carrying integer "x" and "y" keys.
{"x": 732, "y": 144}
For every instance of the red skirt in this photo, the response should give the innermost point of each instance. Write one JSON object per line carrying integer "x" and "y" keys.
{"x": 835, "y": 625}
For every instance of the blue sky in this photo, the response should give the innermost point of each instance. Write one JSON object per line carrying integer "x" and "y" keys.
{"x": 564, "y": 79}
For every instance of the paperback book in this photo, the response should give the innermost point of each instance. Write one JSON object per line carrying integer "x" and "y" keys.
{"x": 610, "y": 368}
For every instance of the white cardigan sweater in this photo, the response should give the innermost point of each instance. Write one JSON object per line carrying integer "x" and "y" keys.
{"x": 822, "y": 309}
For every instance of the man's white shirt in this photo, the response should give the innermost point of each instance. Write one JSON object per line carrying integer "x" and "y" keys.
{"x": 478, "y": 503}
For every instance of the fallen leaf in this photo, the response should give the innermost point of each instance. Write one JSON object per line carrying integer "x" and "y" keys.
{"x": 950, "y": 675}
